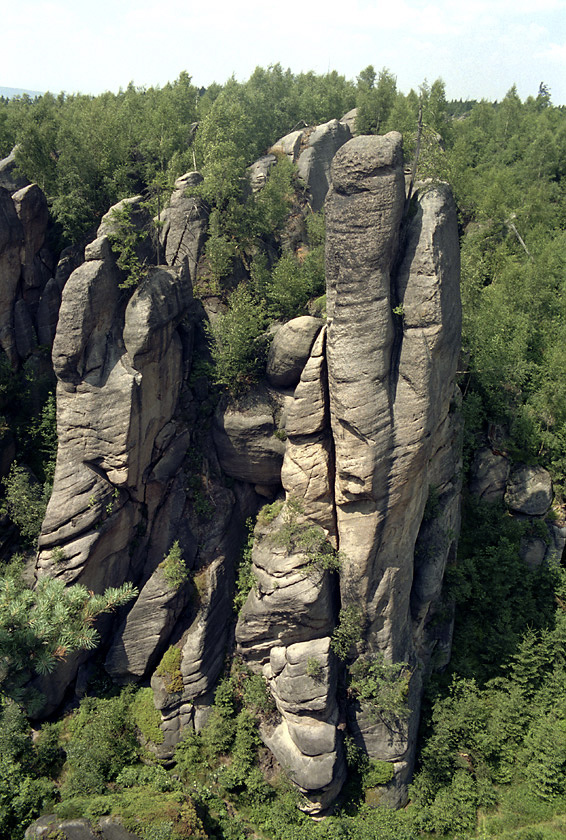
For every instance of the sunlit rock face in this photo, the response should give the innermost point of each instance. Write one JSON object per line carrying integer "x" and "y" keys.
{"x": 372, "y": 435}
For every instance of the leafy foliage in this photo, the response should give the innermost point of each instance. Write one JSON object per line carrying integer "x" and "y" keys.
{"x": 26, "y": 502}
{"x": 490, "y": 579}
{"x": 102, "y": 742}
{"x": 494, "y": 740}
{"x": 381, "y": 685}
{"x": 348, "y": 631}
{"x": 239, "y": 342}
{"x": 125, "y": 239}
{"x": 146, "y": 717}
{"x": 245, "y": 578}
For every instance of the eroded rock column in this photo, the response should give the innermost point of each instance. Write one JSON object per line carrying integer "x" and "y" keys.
{"x": 393, "y": 342}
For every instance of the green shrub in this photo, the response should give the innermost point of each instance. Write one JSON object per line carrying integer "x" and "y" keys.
{"x": 295, "y": 535}
{"x": 225, "y": 699}
{"x": 273, "y": 202}
{"x": 270, "y": 512}
{"x": 320, "y": 552}
{"x": 189, "y": 755}
{"x": 102, "y": 742}
{"x": 142, "y": 775}
{"x": 381, "y": 685}
{"x": 314, "y": 669}
{"x": 26, "y": 502}
{"x": 256, "y": 695}
{"x": 220, "y": 248}
{"x": 453, "y": 808}
{"x": 170, "y": 670}
{"x": 243, "y": 752}
{"x": 348, "y": 631}
{"x": 218, "y": 735}
{"x": 22, "y": 798}
{"x": 245, "y": 578}
{"x": 378, "y": 773}
{"x": 125, "y": 240}
{"x": 174, "y": 567}
{"x": 294, "y": 281}
{"x": 146, "y": 717}
{"x": 49, "y": 754}
{"x": 545, "y": 756}
{"x": 316, "y": 229}
{"x": 238, "y": 342}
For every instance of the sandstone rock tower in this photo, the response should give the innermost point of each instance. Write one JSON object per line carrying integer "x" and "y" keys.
{"x": 365, "y": 478}
{"x": 372, "y": 435}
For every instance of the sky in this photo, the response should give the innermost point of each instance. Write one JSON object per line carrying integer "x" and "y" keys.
{"x": 480, "y": 48}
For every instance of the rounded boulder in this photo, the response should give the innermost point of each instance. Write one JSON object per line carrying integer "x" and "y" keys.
{"x": 290, "y": 349}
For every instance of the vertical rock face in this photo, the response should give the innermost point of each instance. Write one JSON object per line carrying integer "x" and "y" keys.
{"x": 119, "y": 362}
{"x": 136, "y": 472}
{"x": 25, "y": 271}
{"x": 393, "y": 343}
{"x": 371, "y": 436}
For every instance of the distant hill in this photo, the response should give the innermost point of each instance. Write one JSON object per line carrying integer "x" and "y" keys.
{"x": 9, "y": 92}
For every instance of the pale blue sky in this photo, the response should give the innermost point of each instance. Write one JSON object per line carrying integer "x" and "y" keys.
{"x": 479, "y": 47}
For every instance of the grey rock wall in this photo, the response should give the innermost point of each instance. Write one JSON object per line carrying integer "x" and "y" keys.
{"x": 26, "y": 269}
{"x": 393, "y": 344}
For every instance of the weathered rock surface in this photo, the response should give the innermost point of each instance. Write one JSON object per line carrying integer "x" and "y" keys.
{"x": 10, "y": 178}
{"x": 359, "y": 423}
{"x": 313, "y": 150}
{"x": 529, "y": 491}
{"x": 372, "y": 431}
{"x": 291, "y": 601}
{"x": 26, "y": 269}
{"x": 148, "y": 624}
{"x": 11, "y": 244}
{"x": 185, "y": 223}
{"x": 489, "y": 474}
{"x": 48, "y": 827}
{"x": 308, "y": 465}
{"x": 258, "y": 172}
{"x": 290, "y": 350}
{"x": 533, "y": 551}
{"x": 245, "y": 439}
{"x": 31, "y": 207}
{"x": 120, "y": 366}
{"x": 137, "y": 471}
{"x": 285, "y": 627}
{"x": 391, "y": 382}
{"x": 302, "y": 677}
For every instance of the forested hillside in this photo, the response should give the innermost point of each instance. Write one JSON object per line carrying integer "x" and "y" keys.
{"x": 492, "y": 744}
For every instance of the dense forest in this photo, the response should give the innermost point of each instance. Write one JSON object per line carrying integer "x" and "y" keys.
{"x": 492, "y": 756}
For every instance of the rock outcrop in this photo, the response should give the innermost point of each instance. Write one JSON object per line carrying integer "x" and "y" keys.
{"x": 372, "y": 431}
{"x": 529, "y": 491}
{"x": 26, "y": 269}
{"x": 313, "y": 150}
{"x": 49, "y": 827}
{"x": 354, "y": 430}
